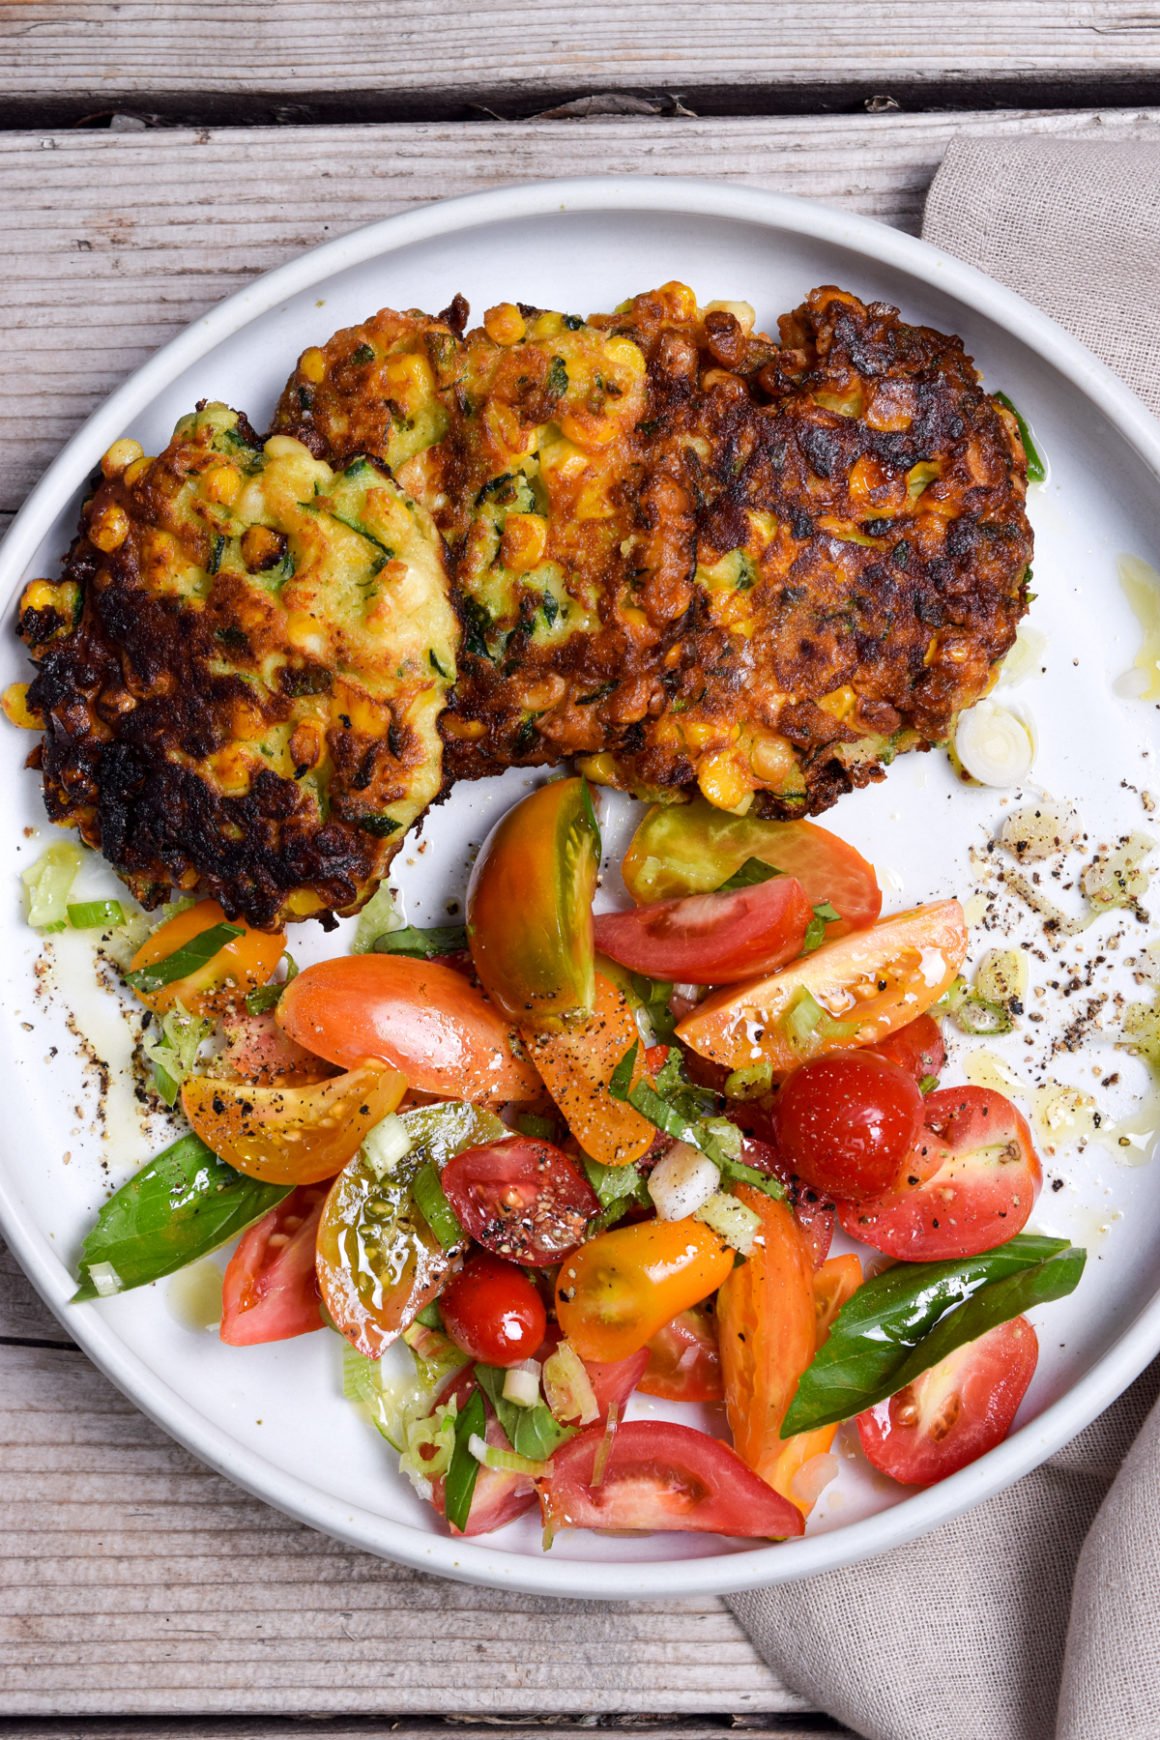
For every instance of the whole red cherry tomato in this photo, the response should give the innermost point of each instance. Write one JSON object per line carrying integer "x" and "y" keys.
{"x": 846, "y": 1122}
{"x": 492, "y": 1311}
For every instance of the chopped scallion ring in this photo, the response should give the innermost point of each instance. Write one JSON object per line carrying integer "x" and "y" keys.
{"x": 95, "y": 914}
{"x": 435, "y": 1208}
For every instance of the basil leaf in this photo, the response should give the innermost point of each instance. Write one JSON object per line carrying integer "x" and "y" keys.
{"x": 620, "y": 1080}
{"x": 459, "y": 1486}
{"x": 183, "y": 1203}
{"x": 753, "y": 871}
{"x": 1036, "y": 469}
{"x": 877, "y": 1331}
{"x": 662, "y": 1112}
{"x": 737, "y": 1172}
{"x": 532, "y": 1432}
{"x": 815, "y": 936}
{"x": 185, "y": 960}
{"x": 618, "y": 1188}
{"x": 1054, "y": 1278}
{"x": 422, "y": 945}
{"x": 654, "y": 996}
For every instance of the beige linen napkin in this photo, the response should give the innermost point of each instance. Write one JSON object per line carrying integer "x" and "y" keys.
{"x": 1038, "y": 1613}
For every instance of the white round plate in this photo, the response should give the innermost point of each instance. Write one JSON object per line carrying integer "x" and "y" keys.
{"x": 272, "y": 1418}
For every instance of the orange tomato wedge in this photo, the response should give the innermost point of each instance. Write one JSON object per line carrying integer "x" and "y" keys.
{"x": 291, "y": 1135}
{"x": 419, "y": 1017}
{"x": 576, "y": 1064}
{"x": 244, "y": 963}
{"x": 615, "y": 1292}
{"x": 798, "y": 1473}
{"x": 850, "y": 992}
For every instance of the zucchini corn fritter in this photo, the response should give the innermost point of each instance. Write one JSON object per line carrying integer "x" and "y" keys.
{"x": 687, "y": 555}
{"x": 670, "y": 547}
{"x": 241, "y": 672}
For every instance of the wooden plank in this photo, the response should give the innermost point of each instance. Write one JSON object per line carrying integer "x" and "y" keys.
{"x": 135, "y": 1582}
{"x": 114, "y": 242}
{"x": 386, "y": 59}
{"x": 551, "y": 1728}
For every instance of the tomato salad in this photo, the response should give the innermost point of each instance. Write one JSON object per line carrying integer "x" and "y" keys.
{"x": 567, "y": 1158}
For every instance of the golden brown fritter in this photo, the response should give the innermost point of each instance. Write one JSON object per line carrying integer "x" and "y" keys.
{"x": 241, "y": 671}
{"x": 691, "y": 557}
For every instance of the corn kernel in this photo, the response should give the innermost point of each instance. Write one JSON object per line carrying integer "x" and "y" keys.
{"x": 679, "y": 299}
{"x": 504, "y": 324}
{"x": 306, "y": 743}
{"x": 839, "y": 703}
{"x": 723, "y": 782}
{"x": 109, "y": 529}
{"x": 600, "y": 769}
{"x": 135, "y": 472}
{"x": 743, "y": 313}
{"x": 312, "y": 365}
{"x": 408, "y": 377}
{"x": 119, "y": 455}
{"x": 525, "y": 538}
{"x": 302, "y": 903}
{"x": 39, "y": 595}
{"x": 468, "y": 730}
{"x": 221, "y": 484}
{"x": 285, "y": 447}
{"x": 261, "y": 547}
{"x": 14, "y": 701}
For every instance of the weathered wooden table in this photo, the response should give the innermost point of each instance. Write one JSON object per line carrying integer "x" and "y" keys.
{"x": 153, "y": 158}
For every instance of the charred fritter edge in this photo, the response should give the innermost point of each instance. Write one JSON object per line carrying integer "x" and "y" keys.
{"x": 241, "y": 671}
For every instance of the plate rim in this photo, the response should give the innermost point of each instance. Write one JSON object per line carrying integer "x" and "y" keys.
{"x": 471, "y": 1560}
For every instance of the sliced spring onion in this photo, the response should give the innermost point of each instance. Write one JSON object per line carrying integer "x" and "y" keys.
{"x": 567, "y": 1386}
{"x": 732, "y": 1220}
{"x": 531, "y": 1431}
{"x": 1036, "y": 466}
{"x": 463, "y": 1469}
{"x": 806, "y": 1018}
{"x": 93, "y": 914}
{"x": 1001, "y": 976}
{"x": 183, "y": 961}
{"x": 1118, "y": 878}
{"x": 435, "y": 1354}
{"x": 105, "y": 1279}
{"x": 422, "y": 945}
{"x": 384, "y": 1146}
{"x": 504, "y": 1461}
{"x": 47, "y": 884}
{"x": 172, "y": 1046}
{"x": 682, "y": 1181}
{"x": 994, "y": 745}
{"x": 380, "y": 914}
{"x": 975, "y": 1015}
{"x": 435, "y": 1208}
{"x": 751, "y": 1083}
{"x": 428, "y": 1447}
{"x": 604, "y": 1448}
{"x": 521, "y": 1384}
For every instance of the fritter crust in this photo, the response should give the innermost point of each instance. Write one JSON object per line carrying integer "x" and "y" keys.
{"x": 241, "y": 672}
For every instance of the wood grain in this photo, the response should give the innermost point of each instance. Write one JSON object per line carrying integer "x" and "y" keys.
{"x": 549, "y": 1728}
{"x": 116, "y": 241}
{"x": 386, "y": 59}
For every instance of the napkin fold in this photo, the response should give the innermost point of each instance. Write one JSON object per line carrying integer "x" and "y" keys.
{"x": 1037, "y": 1614}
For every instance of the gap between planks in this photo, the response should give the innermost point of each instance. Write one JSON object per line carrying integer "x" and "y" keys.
{"x": 548, "y": 1727}
{"x": 115, "y": 242}
{"x": 397, "y": 59}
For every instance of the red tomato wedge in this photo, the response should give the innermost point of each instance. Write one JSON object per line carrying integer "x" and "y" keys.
{"x": 917, "y": 1048}
{"x": 499, "y": 1496}
{"x": 956, "y": 1411}
{"x": 420, "y": 1017}
{"x": 693, "y": 848}
{"x": 851, "y": 992}
{"x": 522, "y": 1198}
{"x": 269, "y": 1292}
{"x": 711, "y": 939}
{"x": 660, "y": 1476}
{"x": 968, "y": 1186}
{"x": 684, "y": 1361}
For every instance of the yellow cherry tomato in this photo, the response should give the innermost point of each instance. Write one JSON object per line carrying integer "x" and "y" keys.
{"x": 576, "y": 1064}
{"x": 289, "y": 1134}
{"x": 617, "y": 1291}
{"x": 529, "y": 907}
{"x": 244, "y": 963}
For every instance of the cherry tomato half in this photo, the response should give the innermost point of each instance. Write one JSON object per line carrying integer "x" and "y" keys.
{"x": 291, "y": 1134}
{"x": 661, "y": 1476}
{"x": 917, "y": 1048}
{"x": 529, "y": 907}
{"x": 492, "y": 1311}
{"x": 968, "y": 1185}
{"x": 846, "y": 1122}
{"x": 269, "y": 1291}
{"x": 378, "y": 1261}
{"x": 616, "y": 1291}
{"x": 418, "y": 1016}
{"x": 522, "y": 1199}
{"x": 244, "y": 963}
{"x": 955, "y": 1412}
{"x": 576, "y": 1065}
{"x": 766, "y": 1329}
{"x": 684, "y": 1361}
{"x": 851, "y": 992}
{"x": 711, "y": 939}
{"x": 694, "y": 848}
